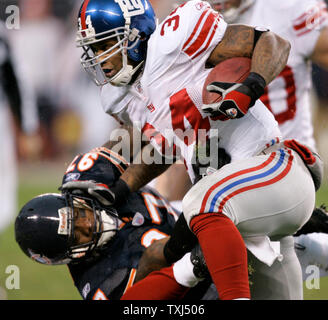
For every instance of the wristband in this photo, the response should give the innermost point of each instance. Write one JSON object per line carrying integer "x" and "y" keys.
{"x": 256, "y": 83}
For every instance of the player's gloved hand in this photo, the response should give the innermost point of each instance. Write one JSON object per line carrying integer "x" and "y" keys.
{"x": 108, "y": 196}
{"x": 197, "y": 259}
{"x": 237, "y": 98}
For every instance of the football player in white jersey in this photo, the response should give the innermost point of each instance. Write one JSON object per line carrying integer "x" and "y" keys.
{"x": 305, "y": 24}
{"x": 164, "y": 68}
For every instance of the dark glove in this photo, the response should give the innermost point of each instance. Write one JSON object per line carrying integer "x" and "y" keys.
{"x": 197, "y": 259}
{"x": 108, "y": 196}
{"x": 317, "y": 223}
{"x": 208, "y": 155}
{"x": 237, "y": 98}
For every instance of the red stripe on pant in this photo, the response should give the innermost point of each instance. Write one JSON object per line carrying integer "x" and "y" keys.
{"x": 158, "y": 285}
{"x": 225, "y": 254}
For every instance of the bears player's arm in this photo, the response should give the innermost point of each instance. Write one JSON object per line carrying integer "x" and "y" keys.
{"x": 138, "y": 175}
{"x": 320, "y": 53}
{"x": 152, "y": 259}
{"x": 269, "y": 52}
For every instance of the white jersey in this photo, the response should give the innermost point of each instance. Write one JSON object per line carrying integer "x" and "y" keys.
{"x": 172, "y": 81}
{"x": 288, "y": 96}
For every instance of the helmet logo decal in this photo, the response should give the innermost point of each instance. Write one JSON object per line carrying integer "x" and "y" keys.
{"x": 72, "y": 177}
{"x": 131, "y": 7}
{"x": 63, "y": 221}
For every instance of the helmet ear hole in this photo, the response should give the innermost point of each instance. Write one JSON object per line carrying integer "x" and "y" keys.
{"x": 143, "y": 36}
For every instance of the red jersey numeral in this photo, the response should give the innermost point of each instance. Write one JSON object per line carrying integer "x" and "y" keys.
{"x": 174, "y": 22}
{"x": 182, "y": 107}
{"x": 288, "y": 76}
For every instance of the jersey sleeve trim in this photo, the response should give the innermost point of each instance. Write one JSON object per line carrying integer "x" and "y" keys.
{"x": 117, "y": 160}
{"x": 132, "y": 276}
{"x": 313, "y": 19}
{"x": 202, "y": 34}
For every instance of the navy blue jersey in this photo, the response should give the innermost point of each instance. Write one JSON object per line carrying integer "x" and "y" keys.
{"x": 110, "y": 274}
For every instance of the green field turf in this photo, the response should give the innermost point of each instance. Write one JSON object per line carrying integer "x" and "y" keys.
{"x": 39, "y": 282}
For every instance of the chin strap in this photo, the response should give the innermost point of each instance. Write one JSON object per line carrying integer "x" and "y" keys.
{"x": 125, "y": 75}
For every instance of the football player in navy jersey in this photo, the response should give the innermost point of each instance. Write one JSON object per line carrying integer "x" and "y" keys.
{"x": 101, "y": 245}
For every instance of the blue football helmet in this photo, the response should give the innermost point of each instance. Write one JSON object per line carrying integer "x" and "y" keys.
{"x": 130, "y": 22}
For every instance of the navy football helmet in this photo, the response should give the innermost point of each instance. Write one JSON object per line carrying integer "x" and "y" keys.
{"x": 130, "y": 22}
{"x": 44, "y": 228}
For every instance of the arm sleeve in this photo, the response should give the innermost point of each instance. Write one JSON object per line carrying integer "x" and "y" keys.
{"x": 205, "y": 30}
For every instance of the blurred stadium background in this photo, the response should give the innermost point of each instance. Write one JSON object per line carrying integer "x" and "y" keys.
{"x": 71, "y": 120}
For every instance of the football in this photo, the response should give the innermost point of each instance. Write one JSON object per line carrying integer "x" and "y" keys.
{"x": 231, "y": 70}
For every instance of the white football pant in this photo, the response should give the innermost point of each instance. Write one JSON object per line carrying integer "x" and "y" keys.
{"x": 268, "y": 197}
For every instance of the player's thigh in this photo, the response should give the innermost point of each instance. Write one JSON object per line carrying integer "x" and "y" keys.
{"x": 260, "y": 194}
{"x": 281, "y": 281}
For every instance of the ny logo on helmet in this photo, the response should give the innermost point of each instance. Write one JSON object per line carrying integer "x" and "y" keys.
{"x": 131, "y": 7}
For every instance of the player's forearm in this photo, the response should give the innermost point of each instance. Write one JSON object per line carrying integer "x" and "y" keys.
{"x": 270, "y": 56}
{"x": 139, "y": 174}
{"x": 152, "y": 259}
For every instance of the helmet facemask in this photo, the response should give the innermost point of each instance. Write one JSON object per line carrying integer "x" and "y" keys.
{"x": 106, "y": 224}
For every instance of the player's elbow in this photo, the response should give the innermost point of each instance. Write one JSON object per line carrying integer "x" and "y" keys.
{"x": 282, "y": 45}
{"x": 285, "y": 46}
{"x": 279, "y": 46}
